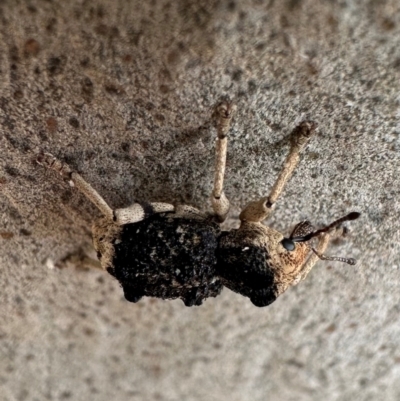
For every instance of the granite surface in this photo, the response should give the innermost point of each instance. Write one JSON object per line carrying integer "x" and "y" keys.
{"x": 123, "y": 91}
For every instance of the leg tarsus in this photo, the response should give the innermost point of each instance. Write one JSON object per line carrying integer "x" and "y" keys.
{"x": 223, "y": 116}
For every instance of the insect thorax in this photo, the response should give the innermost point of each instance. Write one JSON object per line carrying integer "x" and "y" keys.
{"x": 253, "y": 263}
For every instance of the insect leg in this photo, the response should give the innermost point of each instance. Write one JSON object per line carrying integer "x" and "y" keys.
{"x": 220, "y": 203}
{"x": 75, "y": 180}
{"x": 313, "y": 259}
{"x": 140, "y": 211}
{"x": 81, "y": 260}
{"x": 259, "y": 210}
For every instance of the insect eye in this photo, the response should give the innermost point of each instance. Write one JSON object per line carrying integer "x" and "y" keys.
{"x": 288, "y": 244}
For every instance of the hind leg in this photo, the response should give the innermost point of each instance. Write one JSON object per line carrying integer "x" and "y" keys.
{"x": 75, "y": 180}
{"x": 131, "y": 214}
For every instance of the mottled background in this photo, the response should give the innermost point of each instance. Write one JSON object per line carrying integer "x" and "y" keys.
{"x": 123, "y": 91}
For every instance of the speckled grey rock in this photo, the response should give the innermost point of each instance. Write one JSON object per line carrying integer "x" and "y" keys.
{"x": 123, "y": 91}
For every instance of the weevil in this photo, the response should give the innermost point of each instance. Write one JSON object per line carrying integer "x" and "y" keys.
{"x": 177, "y": 251}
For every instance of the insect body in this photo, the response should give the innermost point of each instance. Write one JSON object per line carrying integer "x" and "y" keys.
{"x": 176, "y": 251}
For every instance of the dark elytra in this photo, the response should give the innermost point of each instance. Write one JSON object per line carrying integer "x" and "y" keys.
{"x": 168, "y": 258}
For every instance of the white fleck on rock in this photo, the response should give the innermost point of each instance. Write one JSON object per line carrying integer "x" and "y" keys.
{"x": 49, "y": 263}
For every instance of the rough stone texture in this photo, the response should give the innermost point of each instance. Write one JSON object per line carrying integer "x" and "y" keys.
{"x": 123, "y": 90}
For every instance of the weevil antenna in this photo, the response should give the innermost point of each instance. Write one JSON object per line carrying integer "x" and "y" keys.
{"x": 349, "y": 261}
{"x": 336, "y": 223}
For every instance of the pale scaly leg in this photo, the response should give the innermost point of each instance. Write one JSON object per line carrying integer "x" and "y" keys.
{"x": 313, "y": 259}
{"x": 75, "y": 180}
{"x": 80, "y": 260}
{"x": 138, "y": 212}
{"x": 318, "y": 253}
{"x": 220, "y": 203}
{"x": 259, "y": 210}
{"x": 131, "y": 214}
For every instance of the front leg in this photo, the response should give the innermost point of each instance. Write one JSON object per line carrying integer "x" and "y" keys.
{"x": 313, "y": 259}
{"x": 259, "y": 210}
{"x": 318, "y": 253}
